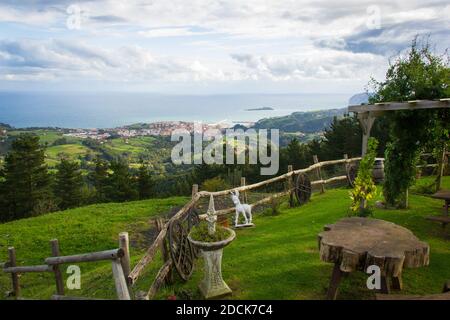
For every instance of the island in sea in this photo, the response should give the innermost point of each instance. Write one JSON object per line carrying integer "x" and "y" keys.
{"x": 260, "y": 109}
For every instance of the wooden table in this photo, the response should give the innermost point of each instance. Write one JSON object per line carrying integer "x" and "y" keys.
{"x": 443, "y": 195}
{"x": 354, "y": 244}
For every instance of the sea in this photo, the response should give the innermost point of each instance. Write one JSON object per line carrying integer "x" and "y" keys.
{"x": 114, "y": 109}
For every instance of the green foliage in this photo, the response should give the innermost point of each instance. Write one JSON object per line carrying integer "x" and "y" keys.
{"x": 364, "y": 188}
{"x": 343, "y": 136}
{"x": 307, "y": 122}
{"x": 27, "y": 185}
{"x": 420, "y": 74}
{"x": 144, "y": 181}
{"x": 297, "y": 154}
{"x": 200, "y": 233}
{"x": 215, "y": 184}
{"x": 274, "y": 209}
{"x": 69, "y": 184}
{"x": 99, "y": 179}
{"x": 120, "y": 183}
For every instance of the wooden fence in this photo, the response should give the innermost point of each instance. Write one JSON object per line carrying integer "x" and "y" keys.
{"x": 159, "y": 242}
{"x": 125, "y": 277}
{"x": 118, "y": 257}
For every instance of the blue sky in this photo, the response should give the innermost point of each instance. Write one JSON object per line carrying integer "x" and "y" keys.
{"x": 209, "y": 46}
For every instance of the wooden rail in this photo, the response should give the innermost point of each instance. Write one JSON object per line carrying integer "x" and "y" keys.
{"x": 52, "y": 264}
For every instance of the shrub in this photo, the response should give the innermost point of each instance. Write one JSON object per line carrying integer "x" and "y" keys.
{"x": 364, "y": 187}
{"x": 215, "y": 184}
{"x": 200, "y": 233}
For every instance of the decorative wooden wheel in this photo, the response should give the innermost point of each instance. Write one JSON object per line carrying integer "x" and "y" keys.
{"x": 182, "y": 252}
{"x": 352, "y": 171}
{"x": 302, "y": 189}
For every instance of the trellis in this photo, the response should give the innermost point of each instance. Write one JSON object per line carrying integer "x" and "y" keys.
{"x": 367, "y": 113}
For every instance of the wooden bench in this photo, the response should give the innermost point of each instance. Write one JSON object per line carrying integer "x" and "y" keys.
{"x": 445, "y": 295}
{"x": 444, "y": 220}
{"x": 443, "y": 195}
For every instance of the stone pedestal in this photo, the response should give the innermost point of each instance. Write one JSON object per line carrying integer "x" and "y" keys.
{"x": 212, "y": 285}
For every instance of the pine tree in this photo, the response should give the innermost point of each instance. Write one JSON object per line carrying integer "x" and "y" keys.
{"x": 298, "y": 154}
{"x": 144, "y": 180}
{"x": 99, "y": 179}
{"x": 69, "y": 184}
{"x": 120, "y": 184}
{"x": 27, "y": 184}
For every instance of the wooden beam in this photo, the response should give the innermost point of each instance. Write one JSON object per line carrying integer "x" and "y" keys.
{"x": 124, "y": 244}
{"x": 26, "y": 269}
{"x": 14, "y": 276}
{"x": 164, "y": 250}
{"x": 159, "y": 280}
{"x": 409, "y": 105}
{"x": 319, "y": 173}
{"x": 366, "y": 120}
{"x": 119, "y": 280}
{"x": 86, "y": 257}
{"x": 290, "y": 185}
{"x": 58, "y": 275}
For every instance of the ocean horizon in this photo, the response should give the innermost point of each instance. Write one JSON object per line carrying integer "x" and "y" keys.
{"x": 113, "y": 109}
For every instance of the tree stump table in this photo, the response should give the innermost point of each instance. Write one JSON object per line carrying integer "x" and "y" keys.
{"x": 354, "y": 244}
{"x": 443, "y": 195}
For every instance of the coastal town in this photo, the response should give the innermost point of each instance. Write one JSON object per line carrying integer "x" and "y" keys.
{"x": 163, "y": 128}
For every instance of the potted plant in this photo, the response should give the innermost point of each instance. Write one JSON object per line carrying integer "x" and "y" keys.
{"x": 210, "y": 240}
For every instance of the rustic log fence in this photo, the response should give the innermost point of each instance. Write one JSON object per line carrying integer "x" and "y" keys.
{"x": 159, "y": 243}
{"x": 125, "y": 277}
{"x": 52, "y": 264}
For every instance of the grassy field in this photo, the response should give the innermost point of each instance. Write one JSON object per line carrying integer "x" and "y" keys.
{"x": 72, "y": 151}
{"x": 86, "y": 229}
{"x": 131, "y": 148}
{"x": 278, "y": 259}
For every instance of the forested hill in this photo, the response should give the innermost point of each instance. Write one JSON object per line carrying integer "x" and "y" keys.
{"x": 307, "y": 122}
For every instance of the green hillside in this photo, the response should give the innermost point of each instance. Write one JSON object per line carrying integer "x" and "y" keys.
{"x": 306, "y": 122}
{"x": 86, "y": 229}
{"x": 278, "y": 259}
{"x": 154, "y": 149}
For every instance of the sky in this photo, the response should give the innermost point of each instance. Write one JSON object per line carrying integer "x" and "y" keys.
{"x": 209, "y": 46}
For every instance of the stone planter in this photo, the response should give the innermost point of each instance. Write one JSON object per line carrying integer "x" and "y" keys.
{"x": 212, "y": 286}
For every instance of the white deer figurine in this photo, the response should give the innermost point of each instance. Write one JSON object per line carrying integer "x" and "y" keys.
{"x": 245, "y": 209}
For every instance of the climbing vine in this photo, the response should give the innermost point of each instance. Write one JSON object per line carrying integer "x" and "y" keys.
{"x": 418, "y": 75}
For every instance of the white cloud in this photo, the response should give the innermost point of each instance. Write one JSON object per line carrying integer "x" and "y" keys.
{"x": 316, "y": 64}
{"x": 23, "y": 60}
{"x": 211, "y": 40}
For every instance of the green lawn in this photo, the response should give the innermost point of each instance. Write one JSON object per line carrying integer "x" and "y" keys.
{"x": 86, "y": 229}
{"x": 278, "y": 259}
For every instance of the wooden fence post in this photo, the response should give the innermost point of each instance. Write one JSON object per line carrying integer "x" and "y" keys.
{"x": 319, "y": 174}
{"x": 119, "y": 280}
{"x": 124, "y": 244}
{"x": 194, "y": 190}
{"x": 441, "y": 166}
{"x": 346, "y": 163}
{"x": 290, "y": 182}
{"x": 159, "y": 222}
{"x": 244, "y": 194}
{"x": 14, "y": 276}
{"x": 56, "y": 270}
